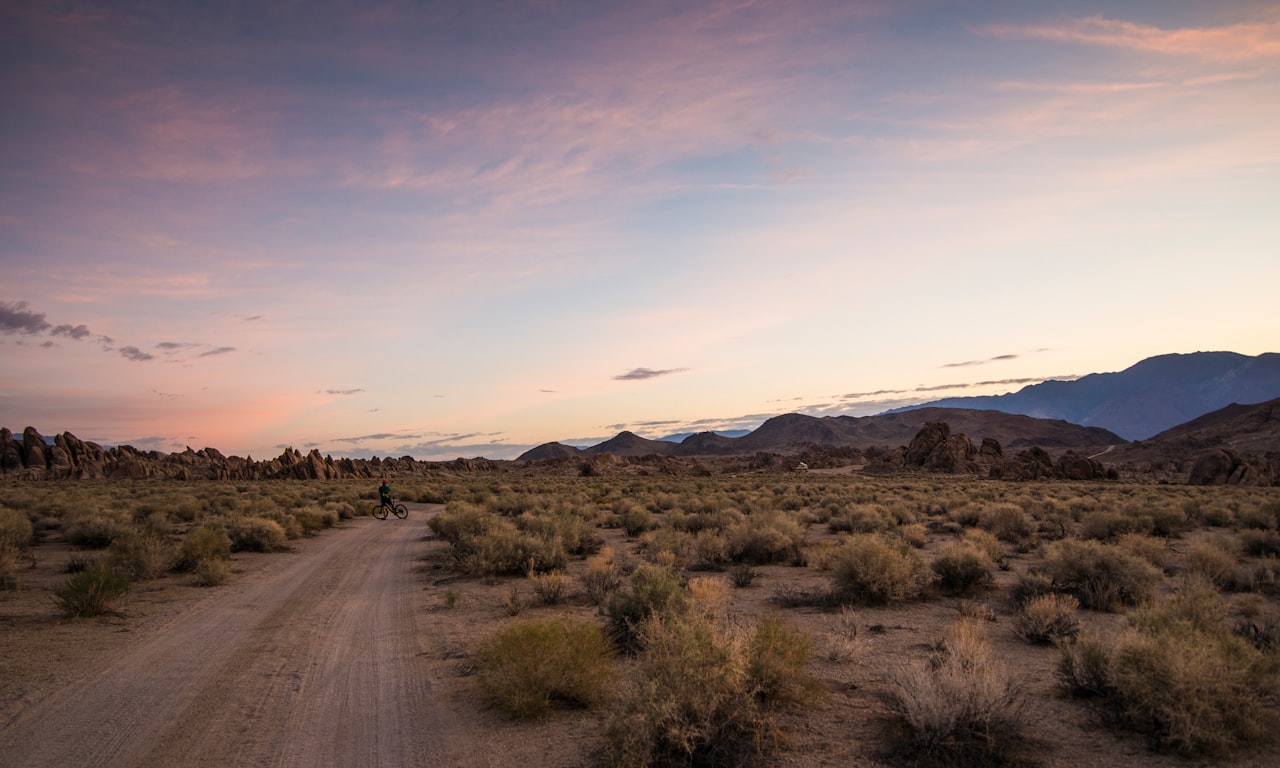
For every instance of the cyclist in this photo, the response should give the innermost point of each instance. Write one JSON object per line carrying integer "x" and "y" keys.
{"x": 384, "y": 493}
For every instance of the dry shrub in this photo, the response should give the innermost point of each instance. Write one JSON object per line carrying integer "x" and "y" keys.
{"x": 1149, "y": 548}
{"x": 1006, "y": 522}
{"x": 634, "y": 519}
{"x": 601, "y": 577}
{"x": 711, "y": 596}
{"x": 91, "y": 592}
{"x": 655, "y": 589}
{"x": 1101, "y": 576}
{"x": 92, "y": 530}
{"x": 141, "y": 555}
{"x": 16, "y": 531}
{"x": 211, "y": 572}
{"x": 915, "y": 534}
{"x": 527, "y": 668}
{"x": 703, "y": 698}
{"x": 1109, "y": 524}
{"x": 962, "y": 567}
{"x": 767, "y": 537}
{"x": 873, "y": 569}
{"x": 460, "y": 521}
{"x": 1211, "y": 560}
{"x": 861, "y": 518}
{"x": 256, "y": 534}
{"x": 668, "y": 545}
{"x": 550, "y": 587}
{"x": 960, "y": 707}
{"x": 985, "y": 541}
{"x": 1048, "y": 619}
{"x": 314, "y": 518}
{"x": 202, "y": 543}
{"x": 1179, "y": 675}
{"x": 777, "y": 665}
{"x": 1029, "y": 586}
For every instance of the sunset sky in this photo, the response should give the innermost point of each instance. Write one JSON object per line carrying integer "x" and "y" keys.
{"x": 448, "y": 229}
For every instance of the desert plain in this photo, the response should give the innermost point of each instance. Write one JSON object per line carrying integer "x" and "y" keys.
{"x": 628, "y": 617}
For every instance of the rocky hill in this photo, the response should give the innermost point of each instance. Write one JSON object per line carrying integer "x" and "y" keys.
{"x": 1145, "y": 399}
{"x": 793, "y": 433}
{"x": 32, "y": 457}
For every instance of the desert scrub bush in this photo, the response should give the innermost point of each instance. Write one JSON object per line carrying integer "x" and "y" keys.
{"x": 871, "y": 568}
{"x": 211, "y": 572}
{"x": 1260, "y": 543}
{"x": 601, "y": 576}
{"x": 1212, "y": 560}
{"x": 669, "y": 545}
{"x": 314, "y": 518}
{"x": 654, "y": 590}
{"x": 960, "y": 707}
{"x": 1179, "y": 675}
{"x": 701, "y": 697}
{"x": 778, "y": 658}
{"x": 256, "y": 534}
{"x": 1110, "y": 524}
{"x": 16, "y": 531}
{"x": 459, "y": 521}
{"x": 710, "y": 595}
{"x": 200, "y": 544}
{"x": 1048, "y": 619}
{"x": 140, "y": 555}
{"x": 93, "y": 530}
{"x": 1005, "y": 521}
{"x": 1153, "y": 550}
{"x": 634, "y": 518}
{"x": 551, "y": 588}
{"x": 1101, "y": 576}
{"x": 769, "y": 537}
{"x": 986, "y": 542}
{"x": 962, "y": 567}
{"x": 575, "y": 535}
{"x": 861, "y": 518}
{"x": 91, "y": 592}
{"x": 528, "y": 668}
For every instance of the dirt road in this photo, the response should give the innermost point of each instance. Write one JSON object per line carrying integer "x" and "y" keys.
{"x": 318, "y": 659}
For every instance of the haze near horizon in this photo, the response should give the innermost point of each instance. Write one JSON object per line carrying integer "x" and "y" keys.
{"x": 464, "y": 229}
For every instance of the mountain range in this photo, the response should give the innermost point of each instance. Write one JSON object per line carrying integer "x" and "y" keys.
{"x": 1147, "y": 399}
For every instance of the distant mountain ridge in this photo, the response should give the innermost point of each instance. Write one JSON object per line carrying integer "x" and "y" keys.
{"x": 1143, "y": 400}
{"x": 793, "y": 432}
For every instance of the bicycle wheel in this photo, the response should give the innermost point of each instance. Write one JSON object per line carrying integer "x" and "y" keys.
{"x": 401, "y": 511}
{"x": 380, "y": 511}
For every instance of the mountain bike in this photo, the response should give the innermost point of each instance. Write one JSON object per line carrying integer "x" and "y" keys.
{"x": 381, "y": 510}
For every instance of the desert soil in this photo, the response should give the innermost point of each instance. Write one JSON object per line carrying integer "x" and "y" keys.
{"x": 352, "y": 650}
{"x": 319, "y": 657}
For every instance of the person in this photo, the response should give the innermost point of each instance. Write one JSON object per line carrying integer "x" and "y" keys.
{"x": 384, "y": 493}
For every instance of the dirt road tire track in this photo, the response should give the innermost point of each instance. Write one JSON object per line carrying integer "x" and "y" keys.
{"x": 318, "y": 660}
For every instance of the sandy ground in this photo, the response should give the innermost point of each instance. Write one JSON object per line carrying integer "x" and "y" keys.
{"x": 314, "y": 658}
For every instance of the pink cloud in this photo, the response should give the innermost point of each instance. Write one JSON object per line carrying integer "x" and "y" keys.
{"x": 1235, "y": 42}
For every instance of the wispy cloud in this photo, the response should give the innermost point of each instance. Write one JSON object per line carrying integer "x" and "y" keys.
{"x": 636, "y": 374}
{"x": 969, "y": 363}
{"x": 1235, "y": 42}
{"x": 354, "y": 391}
{"x": 217, "y": 351}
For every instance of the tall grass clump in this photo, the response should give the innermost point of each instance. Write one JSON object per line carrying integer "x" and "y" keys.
{"x": 1101, "y": 576}
{"x": 601, "y": 577}
{"x": 961, "y": 707}
{"x": 873, "y": 569}
{"x": 1179, "y": 675}
{"x": 528, "y": 668}
{"x": 91, "y": 592}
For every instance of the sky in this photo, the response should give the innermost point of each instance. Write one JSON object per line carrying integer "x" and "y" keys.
{"x": 444, "y": 229}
